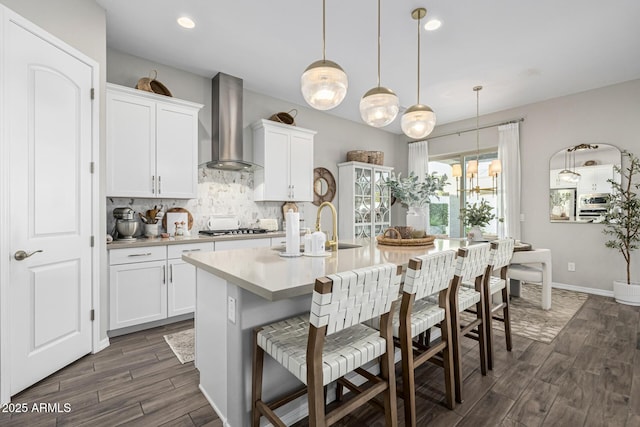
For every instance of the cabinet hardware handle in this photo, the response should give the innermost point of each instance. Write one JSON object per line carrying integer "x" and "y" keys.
{"x": 20, "y": 255}
{"x": 153, "y": 184}
{"x": 190, "y": 250}
{"x": 145, "y": 254}
{"x": 164, "y": 274}
{"x": 159, "y": 184}
{"x": 171, "y": 273}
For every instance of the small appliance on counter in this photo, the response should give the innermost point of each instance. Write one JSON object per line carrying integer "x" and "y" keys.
{"x": 126, "y": 225}
{"x": 269, "y": 224}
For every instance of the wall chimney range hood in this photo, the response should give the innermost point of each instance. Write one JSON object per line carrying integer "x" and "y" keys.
{"x": 226, "y": 124}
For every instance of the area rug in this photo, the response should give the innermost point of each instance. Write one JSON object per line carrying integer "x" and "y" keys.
{"x": 530, "y": 321}
{"x": 182, "y": 344}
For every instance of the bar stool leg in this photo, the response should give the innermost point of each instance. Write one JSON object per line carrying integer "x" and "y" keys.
{"x": 256, "y": 381}
{"x": 482, "y": 336}
{"x": 408, "y": 378}
{"x": 455, "y": 347}
{"x": 447, "y": 358}
{"x": 488, "y": 325}
{"x": 507, "y": 318}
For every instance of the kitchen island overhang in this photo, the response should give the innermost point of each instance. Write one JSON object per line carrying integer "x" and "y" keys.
{"x": 240, "y": 290}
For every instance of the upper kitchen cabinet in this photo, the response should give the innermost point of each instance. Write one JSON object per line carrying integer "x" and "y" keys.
{"x": 286, "y": 154}
{"x": 152, "y": 145}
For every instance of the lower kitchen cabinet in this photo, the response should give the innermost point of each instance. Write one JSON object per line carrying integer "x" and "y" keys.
{"x": 151, "y": 283}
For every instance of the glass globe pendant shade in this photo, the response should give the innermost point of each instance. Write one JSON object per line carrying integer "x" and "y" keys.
{"x": 418, "y": 121}
{"x": 324, "y": 84}
{"x": 566, "y": 175}
{"x": 379, "y": 107}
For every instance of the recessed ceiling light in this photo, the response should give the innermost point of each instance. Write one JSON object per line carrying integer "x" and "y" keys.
{"x": 186, "y": 22}
{"x": 432, "y": 24}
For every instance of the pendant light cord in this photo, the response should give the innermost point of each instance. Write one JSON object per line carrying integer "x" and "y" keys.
{"x": 419, "y": 18}
{"x": 477, "y": 89}
{"x": 324, "y": 48}
{"x": 378, "y": 43}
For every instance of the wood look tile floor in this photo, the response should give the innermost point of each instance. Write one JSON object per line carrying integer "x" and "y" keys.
{"x": 588, "y": 376}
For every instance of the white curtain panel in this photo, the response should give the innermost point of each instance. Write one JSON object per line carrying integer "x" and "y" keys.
{"x": 509, "y": 196}
{"x": 419, "y": 158}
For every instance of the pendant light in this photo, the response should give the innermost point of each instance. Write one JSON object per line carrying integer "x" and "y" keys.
{"x": 379, "y": 106}
{"x": 324, "y": 83}
{"x": 495, "y": 167}
{"x": 418, "y": 121}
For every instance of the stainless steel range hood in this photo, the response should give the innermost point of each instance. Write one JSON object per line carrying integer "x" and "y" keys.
{"x": 226, "y": 124}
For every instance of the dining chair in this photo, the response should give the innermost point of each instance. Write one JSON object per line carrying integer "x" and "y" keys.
{"x": 331, "y": 342}
{"x": 470, "y": 267}
{"x": 499, "y": 258}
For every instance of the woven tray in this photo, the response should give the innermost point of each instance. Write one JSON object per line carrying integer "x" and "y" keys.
{"x": 384, "y": 240}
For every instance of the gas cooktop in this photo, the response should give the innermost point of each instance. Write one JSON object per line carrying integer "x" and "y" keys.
{"x": 235, "y": 231}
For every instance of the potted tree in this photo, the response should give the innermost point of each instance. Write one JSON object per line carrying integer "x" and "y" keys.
{"x": 622, "y": 222}
{"x": 416, "y": 195}
{"x": 476, "y": 217}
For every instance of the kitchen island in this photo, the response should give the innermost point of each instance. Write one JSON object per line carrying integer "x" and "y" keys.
{"x": 239, "y": 290}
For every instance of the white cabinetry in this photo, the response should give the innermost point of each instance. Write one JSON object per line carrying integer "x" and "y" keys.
{"x": 286, "y": 154}
{"x": 151, "y": 283}
{"x": 152, "y": 145}
{"x": 364, "y": 200}
{"x": 594, "y": 179}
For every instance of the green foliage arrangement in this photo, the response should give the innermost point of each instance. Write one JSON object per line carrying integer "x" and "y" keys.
{"x": 414, "y": 193}
{"x": 477, "y": 215}
{"x": 622, "y": 220}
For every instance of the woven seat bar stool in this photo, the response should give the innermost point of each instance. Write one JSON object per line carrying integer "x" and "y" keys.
{"x": 499, "y": 259}
{"x": 426, "y": 276}
{"x": 424, "y": 304}
{"x": 470, "y": 267}
{"x": 332, "y": 341}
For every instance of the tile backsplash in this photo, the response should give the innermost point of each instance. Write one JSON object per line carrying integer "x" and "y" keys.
{"x": 219, "y": 192}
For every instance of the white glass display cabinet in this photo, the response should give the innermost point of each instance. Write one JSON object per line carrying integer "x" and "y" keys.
{"x": 364, "y": 200}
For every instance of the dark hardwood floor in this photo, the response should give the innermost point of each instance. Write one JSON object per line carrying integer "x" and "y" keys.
{"x": 135, "y": 381}
{"x": 588, "y": 376}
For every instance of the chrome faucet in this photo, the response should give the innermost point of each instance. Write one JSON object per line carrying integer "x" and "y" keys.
{"x": 333, "y": 243}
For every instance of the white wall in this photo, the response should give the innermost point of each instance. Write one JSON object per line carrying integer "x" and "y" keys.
{"x": 605, "y": 115}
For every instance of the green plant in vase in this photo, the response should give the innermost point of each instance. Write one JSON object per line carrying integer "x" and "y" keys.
{"x": 622, "y": 222}
{"x": 416, "y": 194}
{"x": 476, "y": 217}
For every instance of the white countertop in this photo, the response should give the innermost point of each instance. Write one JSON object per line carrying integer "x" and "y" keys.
{"x": 263, "y": 272}
{"x": 197, "y": 238}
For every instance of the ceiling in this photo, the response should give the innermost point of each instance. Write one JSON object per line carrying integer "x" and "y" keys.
{"x": 520, "y": 51}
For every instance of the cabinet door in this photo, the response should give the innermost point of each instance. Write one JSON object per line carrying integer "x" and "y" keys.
{"x": 138, "y": 293}
{"x": 176, "y": 151}
{"x": 131, "y": 135}
{"x": 301, "y": 167}
{"x": 276, "y": 165}
{"x": 181, "y": 296}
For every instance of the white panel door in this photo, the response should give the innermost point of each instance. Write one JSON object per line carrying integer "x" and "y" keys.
{"x": 301, "y": 167}
{"x": 276, "y": 165}
{"x": 50, "y": 129}
{"x": 181, "y": 298}
{"x": 131, "y": 149}
{"x": 177, "y": 151}
{"x": 138, "y": 293}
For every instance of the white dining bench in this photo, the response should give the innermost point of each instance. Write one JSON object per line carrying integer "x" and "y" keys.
{"x": 533, "y": 266}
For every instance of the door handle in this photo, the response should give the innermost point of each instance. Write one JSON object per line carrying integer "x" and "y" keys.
{"x": 20, "y": 255}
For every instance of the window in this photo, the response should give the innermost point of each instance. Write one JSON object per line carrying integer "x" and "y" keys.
{"x": 444, "y": 212}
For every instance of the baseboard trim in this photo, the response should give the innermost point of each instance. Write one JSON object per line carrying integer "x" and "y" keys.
{"x": 225, "y": 423}
{"x": 583, "y": 289}
{"x": 136, "y": 328}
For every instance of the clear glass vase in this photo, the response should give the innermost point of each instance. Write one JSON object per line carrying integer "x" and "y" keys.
{"x": 418, "y": 218}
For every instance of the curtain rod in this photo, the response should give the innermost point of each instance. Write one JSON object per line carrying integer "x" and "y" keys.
{"x": 471, "y": 130}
